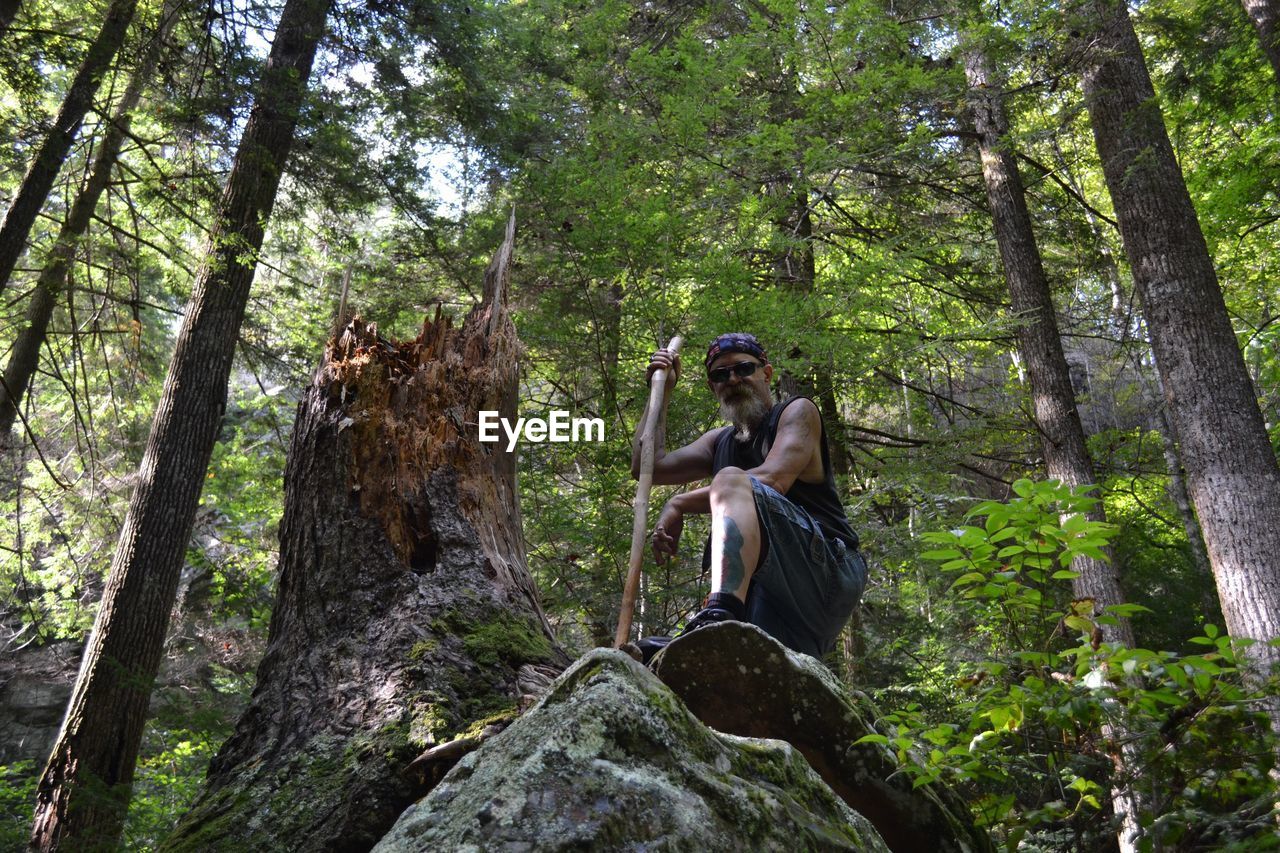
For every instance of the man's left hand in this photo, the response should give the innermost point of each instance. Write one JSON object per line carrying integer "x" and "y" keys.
{"x": 666, "y": 533}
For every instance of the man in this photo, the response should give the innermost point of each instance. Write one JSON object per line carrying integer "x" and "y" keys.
{"x": 781, "y": 553}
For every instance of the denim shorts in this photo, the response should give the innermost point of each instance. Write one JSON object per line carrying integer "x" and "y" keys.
{"x": 807, "y": 584}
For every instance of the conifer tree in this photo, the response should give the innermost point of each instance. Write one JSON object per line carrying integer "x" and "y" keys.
{"x": 26, "y": 349}
{"x": 46, "y": 164}
{"x": 85, "y": 787}
{"x": 1231, "y": 468}
{"x": 1053, "y": 399}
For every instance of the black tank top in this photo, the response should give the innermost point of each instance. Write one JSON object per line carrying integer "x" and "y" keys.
{"x": 820, "y": 500}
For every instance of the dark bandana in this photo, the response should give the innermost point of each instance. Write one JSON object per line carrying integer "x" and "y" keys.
{"x": 735, "y": 342}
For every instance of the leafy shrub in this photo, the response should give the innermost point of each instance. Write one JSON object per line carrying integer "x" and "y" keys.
{"x": 17, "y": 803}
{"x": 1057, "y": 717}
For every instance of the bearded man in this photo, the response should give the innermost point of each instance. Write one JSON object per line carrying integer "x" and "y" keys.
{"x": 782, "y": 555}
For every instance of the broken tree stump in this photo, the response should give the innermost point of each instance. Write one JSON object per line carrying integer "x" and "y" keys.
{"x": 405, "y": 611}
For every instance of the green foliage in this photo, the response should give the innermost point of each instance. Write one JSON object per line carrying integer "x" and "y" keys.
{"x": 1054, "y": 706}
{"x": 17, "y": 803}
{"x": 165, "y": 785}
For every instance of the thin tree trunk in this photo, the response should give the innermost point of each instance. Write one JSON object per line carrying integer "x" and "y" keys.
{"x": 1053, "y": 399}
{"x": 1265, "y": 15}
{"x": 43, "y": 170}
{"x": 608, "y": 325}
{"x": 26, "y": 350}
{"x": 84, "y": 790}
{"x": 1231, "y": 469}
{"x": 1122, "y": 321}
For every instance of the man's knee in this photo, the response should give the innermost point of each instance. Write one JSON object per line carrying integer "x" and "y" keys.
{"x": 729, "y": 483}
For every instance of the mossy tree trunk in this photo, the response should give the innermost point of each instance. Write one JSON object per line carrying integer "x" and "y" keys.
{"x": 405, "y": 610}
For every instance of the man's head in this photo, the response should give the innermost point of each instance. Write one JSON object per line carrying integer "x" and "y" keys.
{"x": 738, "y": 373}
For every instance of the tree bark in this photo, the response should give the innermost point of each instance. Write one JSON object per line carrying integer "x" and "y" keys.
{"x": 84, "y": 791}
{"x": 26, "y": 350}
{"x": 1231, "y": 469}
{"x": 405, "y": 612}
{"x": 1122, "y": 322}
{"x": 1182, "y": 500}
{"x": 1053, "y": 399}
{"x": 43, "y": 170}
{"x": 1265, "y": 15}
{"x": 8, "y": 11}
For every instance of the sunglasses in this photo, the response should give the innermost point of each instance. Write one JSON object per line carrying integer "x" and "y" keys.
{"x": 742, "y": 370}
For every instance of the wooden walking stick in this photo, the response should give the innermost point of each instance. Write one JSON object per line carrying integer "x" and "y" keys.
{"x": 640, "y": 525}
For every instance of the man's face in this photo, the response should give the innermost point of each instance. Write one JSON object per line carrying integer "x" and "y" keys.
{"x": 744, "y": 400}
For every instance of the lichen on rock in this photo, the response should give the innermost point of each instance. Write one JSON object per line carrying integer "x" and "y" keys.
{"x": 610, "y": 758}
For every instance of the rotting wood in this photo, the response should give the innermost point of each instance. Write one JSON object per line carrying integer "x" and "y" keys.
{"x": 406, "y": 616}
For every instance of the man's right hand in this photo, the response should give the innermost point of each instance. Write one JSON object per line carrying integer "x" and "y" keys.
{"x": 666, "y": 533}
{"x": 663, "y": 359}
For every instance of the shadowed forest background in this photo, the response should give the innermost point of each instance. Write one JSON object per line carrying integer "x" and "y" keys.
{"x": 824, "y": 176}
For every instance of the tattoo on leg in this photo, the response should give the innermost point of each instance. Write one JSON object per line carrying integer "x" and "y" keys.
{"x": 732, "y": 571}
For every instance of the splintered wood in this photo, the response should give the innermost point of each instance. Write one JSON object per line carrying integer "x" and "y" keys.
{"x": 409, "y": 408}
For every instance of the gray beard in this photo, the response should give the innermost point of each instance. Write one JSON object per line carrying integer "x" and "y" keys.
{"x": 745, "y": 413}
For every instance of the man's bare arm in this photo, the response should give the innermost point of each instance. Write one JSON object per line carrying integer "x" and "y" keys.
{"x": 795, "y": 454}
{"x": 797, "y": 448}
{"x": 684, "y": 465}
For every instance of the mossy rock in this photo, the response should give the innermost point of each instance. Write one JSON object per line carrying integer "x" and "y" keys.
{"x": 611, "y": 759}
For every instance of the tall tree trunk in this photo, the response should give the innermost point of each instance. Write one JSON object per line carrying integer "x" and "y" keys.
{"x": 1231, "y": 469}
{"x": 84, "y": 790}
{"x": 1053, "y": 399}
{"x": 1265, "y": 15}
{"x": 26, "y": 350}
{"x": 1122, "y": 322}
{"x": 48, "y": 161}
{"x": 405, "y": 612}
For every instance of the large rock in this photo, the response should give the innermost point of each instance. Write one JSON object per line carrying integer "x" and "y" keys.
{"x": 35, "y": 684}
{"x": 737, "y": 679}
{"x": 611, "y": 759}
